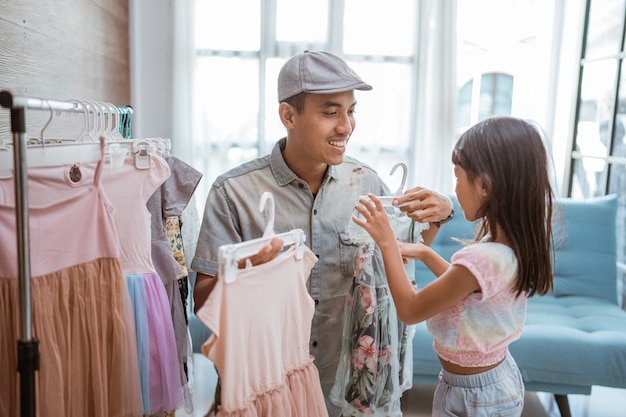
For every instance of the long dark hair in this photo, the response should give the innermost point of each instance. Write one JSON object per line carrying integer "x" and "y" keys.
{"x": 510, "y": 158}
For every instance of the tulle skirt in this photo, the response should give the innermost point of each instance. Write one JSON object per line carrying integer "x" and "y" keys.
{"x": 82, "y": 318}
{"x": 161, "y": 379}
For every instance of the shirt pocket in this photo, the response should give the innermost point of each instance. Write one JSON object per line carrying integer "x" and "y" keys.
{"x": 347, "y": 253}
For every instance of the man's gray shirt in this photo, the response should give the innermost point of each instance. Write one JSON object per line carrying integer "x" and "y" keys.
{"x": 232, "y": 215}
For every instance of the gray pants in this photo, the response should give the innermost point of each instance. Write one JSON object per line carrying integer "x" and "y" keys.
{"x": 498, "y": 392}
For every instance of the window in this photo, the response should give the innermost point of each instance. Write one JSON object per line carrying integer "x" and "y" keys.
{"x": 598, "y": 142}
{"x": 494, "y": 97}
{"x": 238, "y": 56}
{"x": 598, "y": 154}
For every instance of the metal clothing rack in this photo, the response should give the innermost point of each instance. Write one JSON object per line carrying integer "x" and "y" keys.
{"x": 28, "y": 347}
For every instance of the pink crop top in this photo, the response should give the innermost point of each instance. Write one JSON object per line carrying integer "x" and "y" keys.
{"x": 477, "y": 331}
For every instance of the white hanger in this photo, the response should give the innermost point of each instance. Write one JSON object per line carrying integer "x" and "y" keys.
{"x": 230, "y": 254}
{"x": 6, "y": 159}
{"x": 386, "y": 200}
{"x": 57, "y": 154}
{"x": 141, "y": 149}
{"x": 87, "y": 134}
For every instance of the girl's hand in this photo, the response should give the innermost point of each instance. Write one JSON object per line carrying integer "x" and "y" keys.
{"x": 413, "y": 250}
{"x": 375, "y": 221}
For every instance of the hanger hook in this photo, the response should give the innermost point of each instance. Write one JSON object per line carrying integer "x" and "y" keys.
{"x": 81, "y": 105}
{"x": 269, "y": 228}
{"x": 43, "y": 141}
{"x": 115, "y": 122}
{"x": 400, "y": 189}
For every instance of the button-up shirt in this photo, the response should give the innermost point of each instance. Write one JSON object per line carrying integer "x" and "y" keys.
{"x": 232, "y": 215}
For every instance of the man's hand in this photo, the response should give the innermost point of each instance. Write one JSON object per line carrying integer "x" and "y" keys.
{"x": 205, "y": 283}
{"x": 424, "y": 205}
{"x": 266, "y": 254}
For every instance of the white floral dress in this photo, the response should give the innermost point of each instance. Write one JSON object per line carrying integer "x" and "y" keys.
{"x": 375, "y": 366}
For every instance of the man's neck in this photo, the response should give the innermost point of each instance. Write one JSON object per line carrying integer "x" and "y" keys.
{"x": 311, "y": 173}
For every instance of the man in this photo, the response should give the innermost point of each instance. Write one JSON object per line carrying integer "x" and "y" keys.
{"x": 315, "y": 187}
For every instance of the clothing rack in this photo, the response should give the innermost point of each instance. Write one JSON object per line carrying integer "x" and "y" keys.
{"x": 28, "y": 347}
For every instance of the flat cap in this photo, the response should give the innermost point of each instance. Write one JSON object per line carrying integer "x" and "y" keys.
{"x": 317, "y": 72}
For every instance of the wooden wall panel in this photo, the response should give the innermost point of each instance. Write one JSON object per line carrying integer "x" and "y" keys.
{"x": 70, "y": 49}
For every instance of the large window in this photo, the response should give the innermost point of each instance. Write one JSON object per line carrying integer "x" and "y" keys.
{"x": 238, "y": 56}
{"x": 493, "y": 97}
{"x": 598, "y": 157}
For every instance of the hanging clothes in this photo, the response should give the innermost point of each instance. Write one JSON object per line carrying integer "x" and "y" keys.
{"x": 375, "y": 365}
{"x": 169, "y": 200}
{"x": 81, "y": 309}
{"x": 173, "y": 230}
{"x": 129, "y": 189}
{"x": 261, "y": 325}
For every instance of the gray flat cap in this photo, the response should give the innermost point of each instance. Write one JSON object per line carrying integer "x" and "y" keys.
{"x": 319, "y": 73}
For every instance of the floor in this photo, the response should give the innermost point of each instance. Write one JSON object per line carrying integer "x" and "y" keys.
{"x": 603, "y": 402}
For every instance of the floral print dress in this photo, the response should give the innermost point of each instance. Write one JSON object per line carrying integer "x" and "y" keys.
{"x": 375, "y": 366}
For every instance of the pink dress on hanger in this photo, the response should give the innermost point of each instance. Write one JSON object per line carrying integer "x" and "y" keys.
{"x": 129, "y": 189}
{"x": 261, "y": 326}
{"x": 81, "y": 312}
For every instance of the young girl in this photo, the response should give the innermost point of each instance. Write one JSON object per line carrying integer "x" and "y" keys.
{"x": 476, "y": 306}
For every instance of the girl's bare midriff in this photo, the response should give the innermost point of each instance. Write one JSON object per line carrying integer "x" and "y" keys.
{"x": 462, "y": 370}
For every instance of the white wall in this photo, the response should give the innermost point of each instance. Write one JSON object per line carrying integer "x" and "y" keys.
{"x": 152, "y": 63}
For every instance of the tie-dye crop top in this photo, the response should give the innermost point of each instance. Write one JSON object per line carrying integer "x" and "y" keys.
{"x": 477, "y": 331}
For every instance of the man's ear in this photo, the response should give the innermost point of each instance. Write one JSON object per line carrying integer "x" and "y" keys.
{"x": 286, "y": 114}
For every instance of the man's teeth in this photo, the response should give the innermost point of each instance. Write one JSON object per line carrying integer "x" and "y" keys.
{"x": 338, "y": 142}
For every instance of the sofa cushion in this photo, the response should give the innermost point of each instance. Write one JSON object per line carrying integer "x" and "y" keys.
{"x": 586, "y": 247}
{"x": 586, "y": 256}
{"x": 575, "y": 339}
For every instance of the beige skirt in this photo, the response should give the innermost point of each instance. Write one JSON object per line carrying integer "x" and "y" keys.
{"x": 82, "y": 318}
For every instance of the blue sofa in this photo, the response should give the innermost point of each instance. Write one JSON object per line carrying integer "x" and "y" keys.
{"x": 573, "y": 338}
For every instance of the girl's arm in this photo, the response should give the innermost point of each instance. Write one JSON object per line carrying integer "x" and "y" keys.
{"x": 452, "y": 285}
{"x": 420, "y": 252}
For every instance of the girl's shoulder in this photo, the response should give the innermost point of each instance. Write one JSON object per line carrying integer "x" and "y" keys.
{"x": 494, "y": 266}
{"x": 490, "y": 255}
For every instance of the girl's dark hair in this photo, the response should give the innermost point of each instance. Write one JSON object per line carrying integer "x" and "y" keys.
{"x": 510, "y": 158}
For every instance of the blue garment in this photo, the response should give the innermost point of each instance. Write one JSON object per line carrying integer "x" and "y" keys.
{"x": 496, "y": 392}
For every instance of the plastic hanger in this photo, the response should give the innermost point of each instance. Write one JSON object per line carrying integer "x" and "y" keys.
{"x": 98, "y": 118}
{"x": 114, "y": 126}
{"x": 62, "y": 153}
{"x": 43, "y": 129}
{"x": 164, "y": 146}
{"x": 58, "y": 154}
{"x": 229, "y": 255}
{"x": 141, "y": 149}
{"x": 41, "y": 140}
{"x": 126, "y": 115}
{"x": 88, "y": 132}
{"x": 386, "y": 200}
{"x": 6, "y": 159}
{"x": 104, "y": 118}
